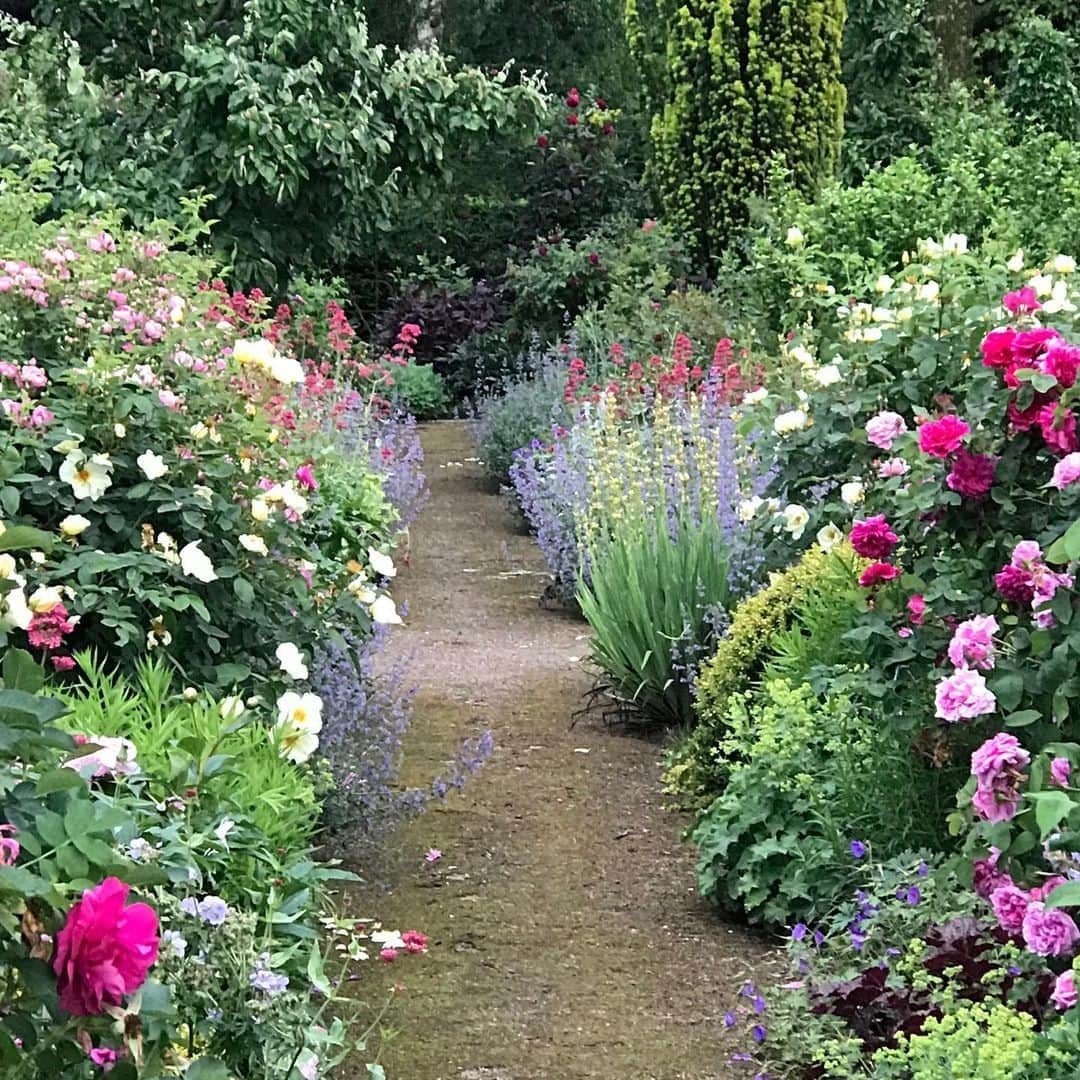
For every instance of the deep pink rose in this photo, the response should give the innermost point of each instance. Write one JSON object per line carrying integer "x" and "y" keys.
{"x": 1060, "y": 771}
{"x": 1063, "y": 362}
{"x": 1010, "y": 905}
{"x": 877, "y": 574}
{"x": 1015, "y": 585}
{"x": 104, "y": 950}
{"x": 940, "y": 438}
{"x": 1066, "y": 472}
{"x": 916, "y": 606}
{"x": 1058, "y": 427}
{"x": 1026, "y": 419}
{"x": 988, "y": 877}
{"x": 1049, "y": 933}
{"x": 1029, "y": 345}
{"x": 972, "y": 475}
{"x": 997, "y": 347}
{"x": 1021, "y": 302}
{"x": 872, "y": 538}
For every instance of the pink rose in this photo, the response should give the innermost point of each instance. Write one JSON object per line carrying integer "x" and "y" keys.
{"x": 940, "y": 438}
{"x": 916, "y": 606}
{"x": 104, "y": 950}
{"x": 1058, "y": 427}
{"x": 1029, "y": 345}
{"x": 972, "y": 644}
{"x": 1064, "y": 995}
{"x": 893, "y": 467}
{"x": 1062, "y": 361}
{"x": 1002, "y": 751}
{"x": 872, "y": 538}
{"x": 997, "y": 347}
{"x": 1066, "y": 472}
{"x": 1010, "y": 905}
{"x": 988, "y": 877}
{"x": 963, "y": 696}
{"x": 882, "y": 429}
{"x": 1060, "y": 770}
{"x": 1049, "y": 933}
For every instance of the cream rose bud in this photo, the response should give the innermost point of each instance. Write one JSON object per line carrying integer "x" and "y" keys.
{"x": 291, "y": 661}
{"x": 794, "y": 237}
{"x": 1064, "y": 264}
{"x": 119, "y": 430}
{"x": 232, "y": 708}
{"x": 255, "y": 544}
{"x": 756, "y": 397}
{"x": 1016, "y": 263}
{"x": 792, "y": 420}
{"x": 153, "y": 465}
{"x": 190, "y": 693}
{"x": 384, "y": 612}
{"x": 829, "y": 375}
{"x": 7, "y": 567}
{"x": 828, "y": 537}
{"x": 796, "y": 518}
{"x": 382, "y": 564}
{"x": 852, "y": 493}
{"x": 260, "y": 510}
{"x": 748, "y": 508}
{"x": 37, "y": 558}
{"x": 74, "y": 525}
{"x": 44, "y": 598}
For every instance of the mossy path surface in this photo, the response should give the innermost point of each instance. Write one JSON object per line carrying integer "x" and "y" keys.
{"x": 567, "y": 940}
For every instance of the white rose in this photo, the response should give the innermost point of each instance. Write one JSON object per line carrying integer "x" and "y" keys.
{"x": 16, "y": 610}
{"x": 796, "y": 519}
{"x": 382, "y": 564}
{"x": 7, "y": 567}
{"x": 1016, "y": 263}
{"x": 298, "y": 726}
{"x": 756, "y": 397}
{"x": 852, "y": 493}
{"x": 45, "y": 598}
{"x": 829, "y": 375}
{"x": 802, "y": 354}
{"x": 291, "y": 661}
{"x": 74, "y": 525}
{"x": 153, "y": 465}
{"x": 1059, "y": 299}
{"x": 792, "y": 420}
{"x": 384, "y": 612}
{"x": 1064, "y": 264}
{"x": 1043, "y": 284}
{"x": 955, "y": 244}
{"x": 260, "y": 510}
{"x": 232, "y": 708}
{"x": 195, "y": 563}
{"x": 258, "y": 351}
{"x": 928, "y": 290}
{"x": 255, "y": 544}
{"x": 286, "y": 369}
{"x": 794, "y": 237}
{"x": 883, "y": 283}
{"x": 748, "y": 508}
{"x": 89, "y": 477}
{"x": 119, "y": 430}
{"x": 828, "y": 537}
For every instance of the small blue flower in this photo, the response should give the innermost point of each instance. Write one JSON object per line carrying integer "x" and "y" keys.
{"x": 798, "y": 931}
{"x": 914, "y": 896}
{"x": 858, "y": 849}
{"x": 759, "y": 1004}
{"x": 758, "y": 1032}
{"x": 729, "y": 1019}
{"x": 923, "y": 869}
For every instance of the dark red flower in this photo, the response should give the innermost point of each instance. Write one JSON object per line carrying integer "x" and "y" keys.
{"x": 877, "y": 574}
{"x": 872, "y": 538}
{"x": 543, "y": 142}
{"x": 972, "y": 475}
{"x": 572, "y": 119}
{"x": 1015, "y": 584}
{"x": 573, "y": 98}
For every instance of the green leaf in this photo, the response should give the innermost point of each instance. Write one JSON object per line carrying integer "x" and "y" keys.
{"x": 22, "y": 672}
{"x": 1008, "y": 688}
{"x": 1067, "y": 895}
{"x": 1022, "y": 718}
{"x": 59, "y": 780}
{"x": 1051, "y": 809}
{"x": 16, "y": 879}
{"x": 206, "y": 1069}
{"x": 24, "y": 538}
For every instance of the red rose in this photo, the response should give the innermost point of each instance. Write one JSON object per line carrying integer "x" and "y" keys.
{"x": 877, "y": 574}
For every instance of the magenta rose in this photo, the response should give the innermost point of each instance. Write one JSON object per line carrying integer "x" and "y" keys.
{"x": 1064, "y": 995}
{"x": 1049, "y": 933}
{"x": 104, "y": 950}
{"x": 997, "y": 347}
{"x": 988, "y": 877}
{"x": 963, "y": 695}
{"x": 1021, "y": 301}
{"x": 1060, "y": 771}
{"x": 972, "y": 475}
{"x": 940, "y": 438}
{"x": 1058, "y": 427}
{"x": 1015, "y": 585}
{"x": 1063, "y": 362}
{"x": 872, "y": 538}
{"x": 1029, "y": 345}
{"x": 877, "y": 574}
{"x": 1010, "y": 905}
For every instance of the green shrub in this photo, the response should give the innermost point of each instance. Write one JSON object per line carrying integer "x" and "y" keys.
{"x": 977, "y": 1041}
{"x": 731, "y": 84}
{"x": 1041, "y": 86}
{"x": 654, "y": 601}
{"x": 693, "y": 769}
{"x": 420, "y": 390}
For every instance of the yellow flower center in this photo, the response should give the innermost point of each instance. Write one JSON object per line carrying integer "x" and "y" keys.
{"x": 299, "y": 716}
{"x": 83, "y": 476}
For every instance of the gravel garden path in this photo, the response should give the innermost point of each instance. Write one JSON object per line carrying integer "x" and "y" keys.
{"x": 566, "y": 937}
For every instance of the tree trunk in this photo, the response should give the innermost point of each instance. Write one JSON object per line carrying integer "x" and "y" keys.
{"x": 953, "y": 24}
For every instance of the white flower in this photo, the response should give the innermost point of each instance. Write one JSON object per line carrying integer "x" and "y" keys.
{"x": 286, "y": 369}
{"x": 258, "y": 351}
{"x": 794, "y": 237}
{"x": 756, "y": 397}
{"x": 89, "y": 477}
{"x": 225, "y": 826}
{"x": 928, "y": 290}
{"x": 1043, "y": 284}
{"x": 190, "y": 693}
{"x": 74, "y": 525}
{"x": 382, "y": 564}
{"x": 232, "y": 708}
{"x": 792, "y": 420}
{"x": 68, "y": 445}
{"x": 45, "y": 598}
{"x": 384, "y": 611}
{"x": 883, "y": 284}
{"x": 929, "y": 248}
{"x": 361, "y": 588}
{"x": 748, "y": 508}
{"x": 260, "y": 510}
{"x": 802, "y": 354}
{"x": 828, "y": 537}
{"x": 293, "y": 500}
{"x": 1059, "y": 299}
{"x": 388, "y": 939}
{"x": 852, "y": 493}
{"x": 16, "y": 611}
{"x": 796, "y": 519}
{"x": 199, "y": 431}
{"x": 829, "y": 375}
{"x": 195, "y": 563}
{"x": 153, "y": 465}
{"x": 1064, "y": 264}
{"x": 119, "y": 430}
{"x": 203, "y": 494}
{"x": 255, "y": 544}
{"x": 1016, "y": 263}
{"x": 7, "y": 568}
{"x": 298, "y": 726}
{"x": 291, "y": 661}
{"x": 955, "y": 244}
